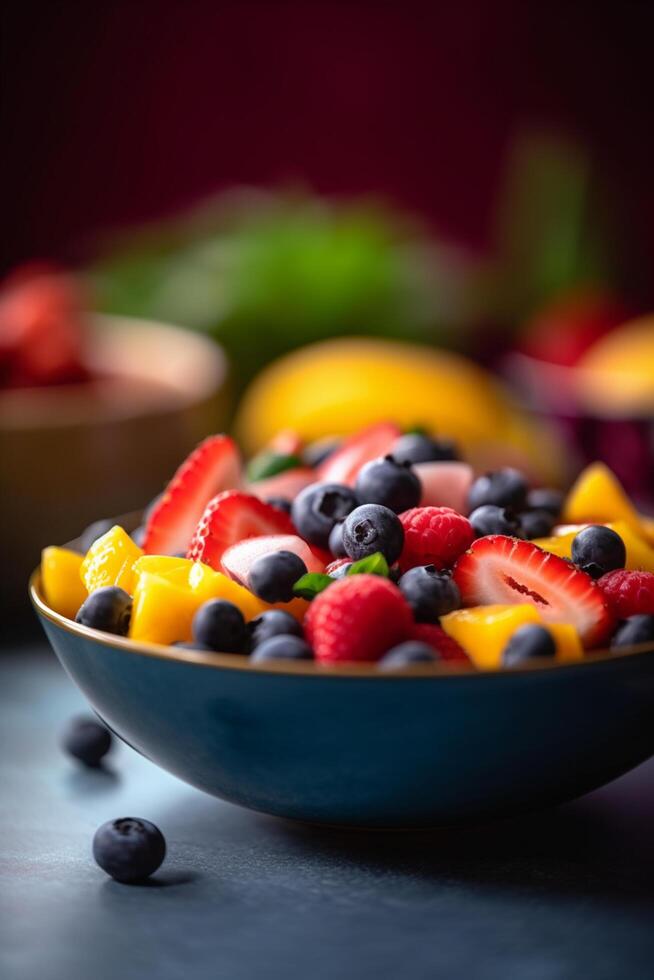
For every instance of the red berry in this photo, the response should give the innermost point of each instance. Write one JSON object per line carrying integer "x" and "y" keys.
{"x": 499, "y": 569}
{"x": 436, "y": 637}
{"x": 213, "y": 466}
{"x": 434, "y": 536}
{"x": 343, "y": 465}
{"x": 357, "y": 618}
{"x": 229, "y": 518}
{"x": 628, "y": 593}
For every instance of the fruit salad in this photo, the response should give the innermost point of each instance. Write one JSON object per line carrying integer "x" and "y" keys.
{"x": 385, "y": 548}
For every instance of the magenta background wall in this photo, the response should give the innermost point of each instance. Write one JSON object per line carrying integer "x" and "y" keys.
{"x": 115, "y": 112}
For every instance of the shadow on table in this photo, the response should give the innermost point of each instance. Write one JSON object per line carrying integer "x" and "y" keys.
{"x": 601, "y": 847}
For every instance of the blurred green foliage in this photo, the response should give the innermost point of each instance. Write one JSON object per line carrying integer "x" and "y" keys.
{"x": 266, "y": 272}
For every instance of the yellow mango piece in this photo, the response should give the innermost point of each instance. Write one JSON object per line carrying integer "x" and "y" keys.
{"x": 647, "y": 524}
{"x": 598, "y": 497}
{"x": 110, "y": 561}
{"x": 640, "y": 556}
{"x": 568, "y": 642}
{"x": 216, "y": 585}
{"x": 62, "y": 586}
{"x": 162, "y": 611}
{"x": 484, "y": 631}
{"x": 175, "y": 569}
{"x": 557, "y": 544}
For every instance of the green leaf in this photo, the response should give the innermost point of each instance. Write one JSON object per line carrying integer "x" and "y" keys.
{"x": 311, "y": 585}
{"x": 372, "y": 565}
{"x": 269, "y": 464}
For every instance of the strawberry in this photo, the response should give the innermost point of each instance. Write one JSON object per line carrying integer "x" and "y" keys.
{"x": 501, "y": 570}
{"x": 436, "y": 637}
{"x": 357, "y": 618}
{"x": 445, "y": 484}
{"x": 287, "y": 484}
{"x": 214, "y": 466}
{"x": 343, "y": 465}
{"x": 287, "y": 442}
{"x": 628, "y": 593}
{"x": 230, "y": 517}
{"x": 238, "y": 559}
{"x": 434, "y": 536}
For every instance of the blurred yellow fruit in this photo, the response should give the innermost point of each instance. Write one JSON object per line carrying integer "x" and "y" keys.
{"x": 557, "y": 544}
{"x": 598, "y": 497}
{"x": 62, "y": 586}
{"x": 339, "y": 386}
{"x": 568, "y": 642}
{"x": 640, "y": 556}
{"x": 110, "y": 561}
{"x": 618, "y": 370}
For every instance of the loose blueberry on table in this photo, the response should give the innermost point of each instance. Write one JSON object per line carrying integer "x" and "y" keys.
{"x": 375, "y": 549}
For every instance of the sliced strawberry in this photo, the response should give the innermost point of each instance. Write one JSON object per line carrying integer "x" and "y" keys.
{"x": 445, "y": 484}
{"x": 287, "y": 484}
{"x": 500, "y": 570}
{"x": 335, "y": 564}
{"x": 343, "y": 465}
{"x": 229, "y": 518}
{"x": 237, "y": 560}
{"x": 214, "y": 466}
{"x": 287, "y": 442}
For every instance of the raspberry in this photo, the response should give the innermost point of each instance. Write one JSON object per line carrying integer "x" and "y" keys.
{"x": 434, "y": 536}
{"x": 436, "y": 637}
{"x": 357, "y": 618}
{"x": 628, "y": 593}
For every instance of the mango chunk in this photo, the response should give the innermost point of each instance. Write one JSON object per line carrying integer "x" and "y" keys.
{"x": 484, "y": 631}
{"x": 568, "y": 642}
{"x": 61, "y": 583}
{"x": 598, "y": 497}
{"x": 162, "y": 611}
{"x": 640, "y": 556}
{"x": 110, "y": 561}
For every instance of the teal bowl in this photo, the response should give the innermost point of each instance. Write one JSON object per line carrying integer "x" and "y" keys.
{"x": 353, "y": 746}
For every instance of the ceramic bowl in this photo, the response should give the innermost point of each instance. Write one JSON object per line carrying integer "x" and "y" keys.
{"x": 66, "y": 449}
{"x": 357, "y": 747}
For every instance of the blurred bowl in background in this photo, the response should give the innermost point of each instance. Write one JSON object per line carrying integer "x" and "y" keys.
{"x": 603, "y": 407}
{"x": 74, "y": 453}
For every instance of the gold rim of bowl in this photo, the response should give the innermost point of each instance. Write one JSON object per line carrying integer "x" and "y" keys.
{"x": 234, "y": 661}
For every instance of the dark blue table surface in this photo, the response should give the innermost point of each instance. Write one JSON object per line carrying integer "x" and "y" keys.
{"x": 564, "y": 894}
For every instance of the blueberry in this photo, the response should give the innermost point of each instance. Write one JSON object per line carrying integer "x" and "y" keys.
{"x": 318, "y": 507}
{"x": 416, "y": 448}
{"x": 219, "y": 625}
{"x": 273, "y": 622}
{"x": 536, "y": 524}
{"x": 282, "y": 647}
{"x": 272, "y": 577}
{"x": 129, "y": 849}
{"x": 504, "y": 488}
{"x": 335, "y": 542}
{"x": 430, "y": 593}
{"x": 491, "y": 519}
{"x": 635, "y": 629}
{"x": 317, "y": 452}
{"x": 93, "y": 532}
{"x": 108, "y": 609}
{"x": 385, "y": 481}
{"x": 86, "y": 739}
{"x": 341, "y": 571}
{"x": 405, "y": 654}
{"x": 372, "y": 528}
{"x": 545, "y": 498}
{"x": 280, "y": 503}
{"x": 597, "y": 550}
{"x": 526, "y": 643}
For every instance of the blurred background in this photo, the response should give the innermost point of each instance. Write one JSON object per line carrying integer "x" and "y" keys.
{"x": 473, "y": 177}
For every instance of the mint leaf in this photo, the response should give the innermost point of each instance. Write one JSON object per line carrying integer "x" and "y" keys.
{"x": 311, "y": 585}
{"x": 371, "y": 565}
{"x": 268, "y": 464}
